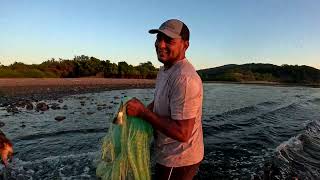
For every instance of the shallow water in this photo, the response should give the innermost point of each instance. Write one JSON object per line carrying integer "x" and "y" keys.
{"x": 245, "y": 128}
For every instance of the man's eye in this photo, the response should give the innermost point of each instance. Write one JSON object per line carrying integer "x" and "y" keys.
{"x": 170, "y": 41}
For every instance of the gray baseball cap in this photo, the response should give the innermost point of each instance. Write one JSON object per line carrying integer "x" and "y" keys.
{"x": 173, "y": 28}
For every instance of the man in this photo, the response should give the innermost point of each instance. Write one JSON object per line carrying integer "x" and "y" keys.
{"x": 175, "y": 113}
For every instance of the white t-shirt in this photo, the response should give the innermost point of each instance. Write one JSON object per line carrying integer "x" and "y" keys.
{"x": 178, "y": 94}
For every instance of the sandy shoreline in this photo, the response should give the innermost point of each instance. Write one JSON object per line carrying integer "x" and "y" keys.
{"x": 13, "y": 89}
{"x": 30, "y": 82}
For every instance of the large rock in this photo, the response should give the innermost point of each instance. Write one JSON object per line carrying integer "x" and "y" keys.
{"x": 12, "y": 109}
{"x": 29, "y": 106}
{"x": 42, "y": 106}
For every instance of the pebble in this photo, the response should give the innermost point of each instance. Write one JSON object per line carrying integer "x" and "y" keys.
{"x": 60, "y": 118}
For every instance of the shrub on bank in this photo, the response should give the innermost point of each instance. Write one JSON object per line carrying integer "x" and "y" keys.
{"x": 25, "y": 73}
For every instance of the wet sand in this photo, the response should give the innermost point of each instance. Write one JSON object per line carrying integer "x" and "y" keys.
{"x": 13, "y": 89}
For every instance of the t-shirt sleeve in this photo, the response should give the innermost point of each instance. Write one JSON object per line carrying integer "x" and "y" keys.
{"x": 185, "y": 97}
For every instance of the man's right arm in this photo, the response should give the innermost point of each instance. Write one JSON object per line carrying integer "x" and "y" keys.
{"x": 150, "y": 108}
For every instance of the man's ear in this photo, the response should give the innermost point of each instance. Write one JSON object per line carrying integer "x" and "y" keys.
{"x": 186, "y": 44}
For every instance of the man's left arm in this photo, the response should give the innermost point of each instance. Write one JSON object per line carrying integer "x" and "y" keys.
{"x": 179, "y": 130}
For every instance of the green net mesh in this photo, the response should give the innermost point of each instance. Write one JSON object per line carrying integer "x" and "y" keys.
{"x": 126, "y": 150}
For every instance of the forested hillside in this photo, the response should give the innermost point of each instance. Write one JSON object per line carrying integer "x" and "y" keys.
{"x": 262, "y": 72}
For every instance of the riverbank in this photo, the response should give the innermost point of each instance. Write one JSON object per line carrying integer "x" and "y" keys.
{"x": 36, "y": 89}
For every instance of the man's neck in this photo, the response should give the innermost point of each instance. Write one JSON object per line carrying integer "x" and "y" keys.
{"x": 169, "y": 65}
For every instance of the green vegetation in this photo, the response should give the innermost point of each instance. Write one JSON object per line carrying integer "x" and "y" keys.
{"x": 262, "y": 72}
{"x": 79, "y": 66}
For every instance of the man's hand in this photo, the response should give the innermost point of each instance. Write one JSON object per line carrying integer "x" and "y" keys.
{"x": 150, "y": 106}
{"x": 135, "y": 108}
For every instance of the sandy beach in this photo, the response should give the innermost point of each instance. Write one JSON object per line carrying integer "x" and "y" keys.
{"x": 12, "y": 89}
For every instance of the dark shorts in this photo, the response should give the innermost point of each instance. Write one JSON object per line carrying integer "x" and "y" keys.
{"x": 183, "y": 173}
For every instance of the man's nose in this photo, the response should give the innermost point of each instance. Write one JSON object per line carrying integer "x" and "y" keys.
{"x": 160, "y": 43}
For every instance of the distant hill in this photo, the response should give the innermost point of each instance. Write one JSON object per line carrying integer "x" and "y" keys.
{"x": 262, "y": 72}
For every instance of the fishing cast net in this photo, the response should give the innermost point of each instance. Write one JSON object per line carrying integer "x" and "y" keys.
{"x": 126, "y": 149}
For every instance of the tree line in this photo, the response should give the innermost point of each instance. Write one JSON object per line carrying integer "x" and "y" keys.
{"x": 85, "y": 66}
{"x": 262, "y": 72}
{"x": 79, "y": 66}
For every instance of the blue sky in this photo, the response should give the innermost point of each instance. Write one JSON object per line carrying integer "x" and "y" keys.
{"x": 222, "y": 31}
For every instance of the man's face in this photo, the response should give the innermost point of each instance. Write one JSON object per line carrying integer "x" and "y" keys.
{"x": 169, "y": 50}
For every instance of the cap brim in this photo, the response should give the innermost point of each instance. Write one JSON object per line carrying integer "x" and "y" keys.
{"x": 164, "y": 31}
